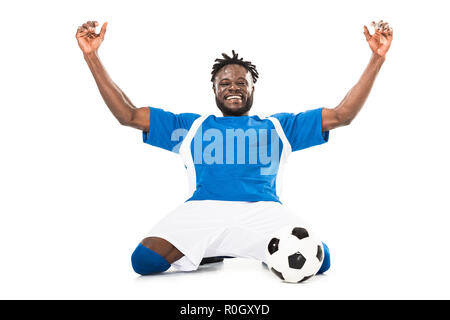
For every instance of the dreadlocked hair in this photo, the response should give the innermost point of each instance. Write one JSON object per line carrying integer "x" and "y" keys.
{"x": 220, "y": 63}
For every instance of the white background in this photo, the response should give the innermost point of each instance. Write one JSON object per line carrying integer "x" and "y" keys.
{"x": 78, "y": 191}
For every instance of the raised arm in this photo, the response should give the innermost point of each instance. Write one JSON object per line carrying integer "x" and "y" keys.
{"x": 119, "y": 104}
{"x": 352, "y": 103}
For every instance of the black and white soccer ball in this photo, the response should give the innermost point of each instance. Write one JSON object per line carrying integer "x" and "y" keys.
{"x": 293, "y": 254}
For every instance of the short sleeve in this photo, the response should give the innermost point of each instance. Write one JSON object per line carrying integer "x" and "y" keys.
{"x": 303, "y": 130}
{"x": 167, "y": 130}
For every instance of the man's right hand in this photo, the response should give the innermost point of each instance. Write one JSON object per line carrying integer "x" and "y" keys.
{"x": 117, "y": 101}
{"x": 88, "y": 40}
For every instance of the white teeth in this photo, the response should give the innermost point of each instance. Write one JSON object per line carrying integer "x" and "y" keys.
{"x": 233, "y": 97}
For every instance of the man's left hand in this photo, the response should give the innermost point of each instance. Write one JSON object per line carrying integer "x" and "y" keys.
{"x": 381, "y": 40}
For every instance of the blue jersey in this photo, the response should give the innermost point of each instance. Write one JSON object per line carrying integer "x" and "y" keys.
{"x": 235, "y": 158}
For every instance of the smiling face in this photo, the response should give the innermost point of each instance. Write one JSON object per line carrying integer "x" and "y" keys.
{"x": 233, "y": 87}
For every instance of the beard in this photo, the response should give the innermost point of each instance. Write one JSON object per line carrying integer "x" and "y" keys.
{"x": 235, "y": 112}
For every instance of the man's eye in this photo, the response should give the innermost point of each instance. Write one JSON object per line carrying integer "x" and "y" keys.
{"x": 241, "y": 83}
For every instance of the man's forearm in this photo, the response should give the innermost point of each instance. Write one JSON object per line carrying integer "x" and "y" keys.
{"x": 356, "y": 97}
{"x": 119, "y": 104}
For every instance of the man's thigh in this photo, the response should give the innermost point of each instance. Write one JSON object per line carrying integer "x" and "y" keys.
{"x": 188, "y": 231}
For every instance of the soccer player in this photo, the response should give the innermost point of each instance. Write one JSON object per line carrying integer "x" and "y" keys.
{"x": 233, "y": 162}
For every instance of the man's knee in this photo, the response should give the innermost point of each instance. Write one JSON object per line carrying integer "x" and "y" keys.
{"x": 326, "y": 259}
{"x": 146, "y": 261}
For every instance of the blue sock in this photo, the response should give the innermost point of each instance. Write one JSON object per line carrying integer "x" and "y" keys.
{"x": 326, "y": 260}
{"x": 146, "y": 261}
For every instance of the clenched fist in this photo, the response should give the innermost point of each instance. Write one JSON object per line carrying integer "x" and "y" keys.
{"x": 88, "y": 40}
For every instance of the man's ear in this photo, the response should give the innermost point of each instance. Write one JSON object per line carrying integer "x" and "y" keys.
{"x": 214, "y": 89}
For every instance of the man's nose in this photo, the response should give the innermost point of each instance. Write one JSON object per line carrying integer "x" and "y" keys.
{"x": 234, "y": 88}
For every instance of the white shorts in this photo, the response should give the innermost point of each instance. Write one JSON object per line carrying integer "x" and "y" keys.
{"x": 209, "y": 228}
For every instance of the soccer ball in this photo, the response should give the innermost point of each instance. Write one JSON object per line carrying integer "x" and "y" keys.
{"x": 293, "y": 254}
